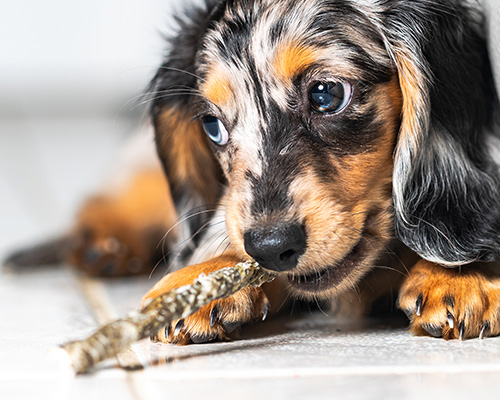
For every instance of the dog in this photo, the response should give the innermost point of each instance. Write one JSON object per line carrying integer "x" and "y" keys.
{"x": 349, "y": 145}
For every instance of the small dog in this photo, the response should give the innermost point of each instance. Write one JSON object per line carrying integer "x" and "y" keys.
{"x": 350, "y": 145}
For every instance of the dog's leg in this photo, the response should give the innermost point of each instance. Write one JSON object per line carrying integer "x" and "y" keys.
{"x": 452, "y": 303}
{"x": 119, "y": 232}
{"x": 221, "y": 317}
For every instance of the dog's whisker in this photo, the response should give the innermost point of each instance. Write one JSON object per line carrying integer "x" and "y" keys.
{"x": 167, "y": 68}
{"x": 162, "y": 242}
{"x": 184, "y": 243}
{"x": 173, "y": 94}
{"x": 174, "y": 90}
{"x": 316, "y": 300}
{"x": 191, "y": 214}
{"x": 284, "y": 301}
{"x": 222, "y": 242}
{"x": 226, "y": 247}
{"x": 209, "y": 241}
{"x": 390, "y": 269}
{"x": 180, "y": 89}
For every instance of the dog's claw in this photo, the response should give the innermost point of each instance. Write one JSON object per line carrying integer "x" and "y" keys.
{"x": 265, "y": 312}
{"x": 450, "y": 319}
{"x": 461, "y": 330}
{"x": 418, "y": 305}
{"x": 214, "y": 316}
{"x": 178, "y": 327}
{"x": 484, "y": 328}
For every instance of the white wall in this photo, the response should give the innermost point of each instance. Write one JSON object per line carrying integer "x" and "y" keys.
{"x": 100, "y": 51}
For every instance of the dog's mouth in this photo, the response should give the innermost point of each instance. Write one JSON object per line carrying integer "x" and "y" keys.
{"x": 332, "y": 275}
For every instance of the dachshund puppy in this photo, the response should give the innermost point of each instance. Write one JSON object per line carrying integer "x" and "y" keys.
{"x": 350, "y": 145}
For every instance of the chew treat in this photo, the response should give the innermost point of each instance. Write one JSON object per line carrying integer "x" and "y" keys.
{"x": 111, "y": 339}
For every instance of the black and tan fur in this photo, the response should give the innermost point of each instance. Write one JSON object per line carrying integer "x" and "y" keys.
{"x": 386, "y": 192}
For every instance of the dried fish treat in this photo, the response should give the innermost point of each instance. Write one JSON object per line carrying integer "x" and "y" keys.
{"x": 111, "y": 339}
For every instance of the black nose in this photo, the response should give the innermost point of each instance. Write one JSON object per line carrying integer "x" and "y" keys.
{"x": 277, "y": 248}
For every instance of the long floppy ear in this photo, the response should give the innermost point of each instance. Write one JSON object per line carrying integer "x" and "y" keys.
{"x": 446, "y": 182}
{"x": 192, "y": 171}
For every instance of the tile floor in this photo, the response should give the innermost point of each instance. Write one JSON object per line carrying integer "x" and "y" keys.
{"x": 310, "y": 356}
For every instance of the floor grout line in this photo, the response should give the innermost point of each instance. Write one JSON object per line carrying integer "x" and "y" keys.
{"x": 98, "y": 300}
{"x": 95, "y": 294}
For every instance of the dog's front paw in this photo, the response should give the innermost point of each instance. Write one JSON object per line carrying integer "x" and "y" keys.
{"x": 454, "y": 303}
{"x": 217, "y": 320}
{"x": 106, "y": 253}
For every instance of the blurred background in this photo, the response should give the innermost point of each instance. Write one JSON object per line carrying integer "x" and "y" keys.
{"x": 70, "y": 76}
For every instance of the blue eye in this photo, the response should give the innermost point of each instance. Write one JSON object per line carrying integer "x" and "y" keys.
{"x": 215, "y": 130}
{"x": 330, "y": 97}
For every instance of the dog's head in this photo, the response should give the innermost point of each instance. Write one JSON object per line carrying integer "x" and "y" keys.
{"x": 317, "y": 122}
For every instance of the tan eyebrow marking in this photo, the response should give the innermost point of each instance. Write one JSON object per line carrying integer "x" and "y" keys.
{"x": 217, "y": 88}
{"x": 293, "y": 58}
